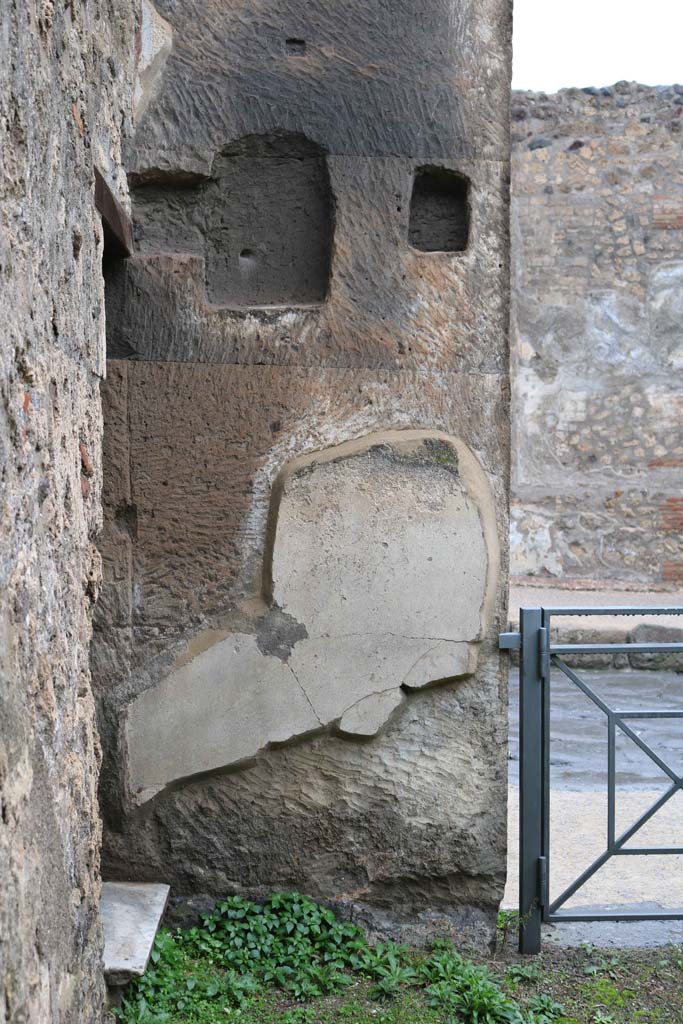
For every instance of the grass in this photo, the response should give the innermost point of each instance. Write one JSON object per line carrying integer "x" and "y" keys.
{"x": 290, "y": 961}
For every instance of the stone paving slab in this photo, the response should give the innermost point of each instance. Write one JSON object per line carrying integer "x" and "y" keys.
{"x": 131, "y": 913}
{"x": 617, "y": 934}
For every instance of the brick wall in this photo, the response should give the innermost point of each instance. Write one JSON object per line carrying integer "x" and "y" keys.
{"x": 597, "y": 342}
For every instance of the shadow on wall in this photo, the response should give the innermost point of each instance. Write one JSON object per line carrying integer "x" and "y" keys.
{"x": 263, "y": 221}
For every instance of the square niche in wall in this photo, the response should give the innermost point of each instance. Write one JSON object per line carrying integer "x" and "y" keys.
{"x": 439, "y": 211}
{"x": 269, "y": 238}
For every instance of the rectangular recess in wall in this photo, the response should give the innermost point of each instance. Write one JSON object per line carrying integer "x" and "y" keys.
{"x": 439, "y": 211}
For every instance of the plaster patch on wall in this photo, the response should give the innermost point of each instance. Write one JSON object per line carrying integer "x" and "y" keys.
{"x": 382, "y": 565}
{"x": 666, "y": 298}
{"x": 533, "y": 540}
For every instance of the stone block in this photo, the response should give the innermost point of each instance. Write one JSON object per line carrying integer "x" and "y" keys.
{"x": 202, "y": 496}
{"x": 241, "y": 402}
{"x": 376, "y": 84}
{"x": 651, "y": 633}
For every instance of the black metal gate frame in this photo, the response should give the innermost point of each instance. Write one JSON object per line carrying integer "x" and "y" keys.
{"x": 536, "y": 656}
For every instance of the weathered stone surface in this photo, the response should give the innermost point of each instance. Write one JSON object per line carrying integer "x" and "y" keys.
{"x": 65, "y": 95}
{"x": 388, "y": 304}
{"x": 380, "y": 79}
{"x": 212, "y": 395}
{"x": 382, "y": 572}
{"x": 597, "y": 335}
{"x": 262, "y": 225}
{"x": 196, "y": 557}
{"x": 186, "y": 504}
{"x": 400, "y": 830}
{"x": 156, "y": 40}
{"x": 652, "y": 633}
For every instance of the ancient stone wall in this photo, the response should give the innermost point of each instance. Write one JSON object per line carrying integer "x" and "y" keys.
{"x": 65, "y": 94}
{"x": 306, "y": 452}
{"x": 597, "y": 362}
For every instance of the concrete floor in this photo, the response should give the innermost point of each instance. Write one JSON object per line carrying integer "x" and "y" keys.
{"x": 579, "y": 803}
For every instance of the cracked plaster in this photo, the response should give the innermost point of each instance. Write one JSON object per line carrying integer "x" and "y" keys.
{"x": 364, "y": 537}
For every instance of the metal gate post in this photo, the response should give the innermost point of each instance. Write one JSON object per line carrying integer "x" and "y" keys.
{"x": 531, "y": 860}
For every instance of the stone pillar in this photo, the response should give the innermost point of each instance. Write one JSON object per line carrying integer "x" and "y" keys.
{"x": 66, "y": 81}
{"x": 307, "y": 445}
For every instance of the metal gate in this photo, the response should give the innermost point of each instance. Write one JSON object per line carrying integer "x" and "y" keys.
{"x": 537, "y": 655}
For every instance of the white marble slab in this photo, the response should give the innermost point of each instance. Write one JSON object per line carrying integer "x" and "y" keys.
{"x": 131, "y": 913}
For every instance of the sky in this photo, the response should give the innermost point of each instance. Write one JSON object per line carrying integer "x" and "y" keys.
{"x": 559, "y": 43}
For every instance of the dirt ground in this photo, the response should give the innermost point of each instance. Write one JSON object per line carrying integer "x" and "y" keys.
{"x": 599, "y": 986}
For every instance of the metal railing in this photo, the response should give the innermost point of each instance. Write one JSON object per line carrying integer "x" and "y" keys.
{"x": 537, "y": 654}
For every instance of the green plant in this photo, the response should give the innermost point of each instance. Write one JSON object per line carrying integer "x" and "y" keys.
{"x": 522, "y": 973}
{"x": 174, "y": 981}
{"x": 289, "y": 941}
{"x": 543, "y": 1009}
{"x": 601, "y": 965}
{"x": 507, "y": 922}
{"x": 605, "y": 993}
{"x": 386, "y": 965}
{"x": 469, "y": 992}
{"x": 220, "y": 969}
{"x": 299, "y": 1015}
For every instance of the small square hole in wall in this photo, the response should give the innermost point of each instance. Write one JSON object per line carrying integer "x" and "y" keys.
{"x": 295, "y": 47}
{"x": 439, "y": 211}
